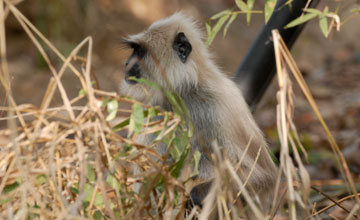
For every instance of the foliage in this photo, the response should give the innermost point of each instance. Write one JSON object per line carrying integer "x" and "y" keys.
{"x": 327, "y": 19}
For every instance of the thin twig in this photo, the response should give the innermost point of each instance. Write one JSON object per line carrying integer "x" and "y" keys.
{"x": 334, "y": 201}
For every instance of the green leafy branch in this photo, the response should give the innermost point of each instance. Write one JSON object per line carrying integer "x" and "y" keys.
{"x": 323, "y": 17}
{"x": 227, "y": 17}
{"x": 327, "y": 19}
{"x": 175, "y": 134}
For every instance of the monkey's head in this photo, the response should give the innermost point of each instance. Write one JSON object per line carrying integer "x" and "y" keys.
{"x": 168, "y": 53}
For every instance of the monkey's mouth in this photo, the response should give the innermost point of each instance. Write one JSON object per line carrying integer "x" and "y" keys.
{"x": 134, "y": 72}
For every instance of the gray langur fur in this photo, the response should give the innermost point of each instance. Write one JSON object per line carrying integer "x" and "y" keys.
{"x": 172, "y": 53}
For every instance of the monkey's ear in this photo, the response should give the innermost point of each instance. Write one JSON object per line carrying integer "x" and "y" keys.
{"x": 182, "y": 46}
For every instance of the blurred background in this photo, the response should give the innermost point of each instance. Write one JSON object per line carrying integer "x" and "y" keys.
{"x": 331, "y": 66}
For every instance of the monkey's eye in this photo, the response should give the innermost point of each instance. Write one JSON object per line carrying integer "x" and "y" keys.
{"x": 182, "y": 46}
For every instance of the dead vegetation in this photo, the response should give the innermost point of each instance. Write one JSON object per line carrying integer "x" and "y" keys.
{"x": 70, "y": 162}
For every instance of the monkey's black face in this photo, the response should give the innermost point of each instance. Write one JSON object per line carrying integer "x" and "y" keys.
{"x": 182, "y": 46}
{"x": 132, "y": 66}
{"x": 133, "y": 72}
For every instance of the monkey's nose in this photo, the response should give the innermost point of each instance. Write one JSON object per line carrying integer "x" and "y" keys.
{"x": 134, "y": 71}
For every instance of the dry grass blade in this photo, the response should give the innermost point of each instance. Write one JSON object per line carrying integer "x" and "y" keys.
{"x": 340, "y": 157}
{"x": 283, "y": 109}
{"x": 248, "y": 198}
{"x": 332, "y": 205}
{"x": 331, "y": 199}
{"x": 46, "y": 41}
{"x": 285, "y": 61}
{"x": 80, "y": 168}
{"x": 352, "y": 213}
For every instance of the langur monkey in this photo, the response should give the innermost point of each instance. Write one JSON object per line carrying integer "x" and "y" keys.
{"x": 172, "y": 53}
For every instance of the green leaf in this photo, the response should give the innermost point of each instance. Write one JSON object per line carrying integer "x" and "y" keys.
{"x": 118, "y": 215}
{"x": 98, "y": 215}
{"x": 146, "y": 82}
{"x": 181, "y": 141}
{"x": 288, "y": 3}
{"x": 89, "y": 190}
{"x": 113, "y": 182}
{"x": 82, "y": 91}
{"x": 136, "y": 119}
{"x": 173, "y": 101}
{"x": 4, "y": 201}
{"x": 314, "y": 11}
{"x": 216, "y": 29}
{"x": 208, "y": 27}
{"x": 323, "y": 22}
{"x": 177, "y": 149}
{"x": 269, "y": 9}
{"x": 40, "y": 179}
{"x": 196, "y": 161}
{"x": 231, "y": 20}
{"x": 104, "y": 103}
{"x": 121, "y": 125}
{"x": 326, "y": 10}
{"x": 112, "y": 107}
{"x": 176, "y": 169}
{"x": 250, "y": 4}
{"x": 355, "y": 10}
{"x": 90, "y": 173}
{"x": 301, "y": 20}
{"x": 74, "y": 190}
{"x": 245, "y": 8}
{"x": 178, "y": 104}
{"x": 220, "y": 14}
{"x": 185, "y": 114}
{"x": 241, "y": 5}
{"x": 111, "y": 115}
{"x": 152, "y": 112}
{"x": 11, "y": 187}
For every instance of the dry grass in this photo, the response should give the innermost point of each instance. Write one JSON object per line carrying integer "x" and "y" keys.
{"x": 68, "y": 162}
{"x": 299, "y": 177}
